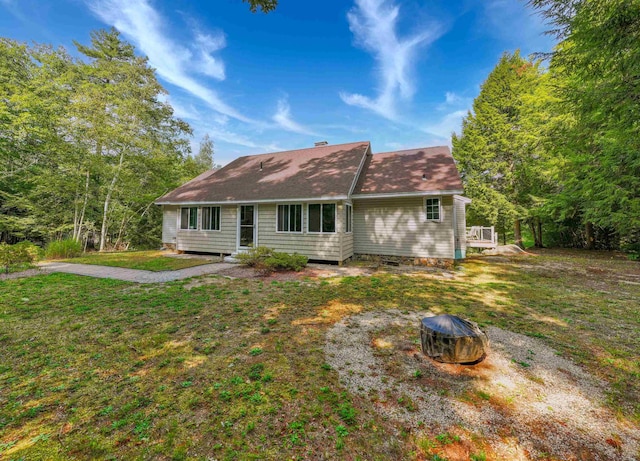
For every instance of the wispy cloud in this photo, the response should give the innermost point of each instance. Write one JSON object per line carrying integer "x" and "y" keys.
{"x": 283, "y": 118}
{"x": 373, "y": 24}
{"x": 451, "y": 122}
{"x": 205, "y": 45}
{"x": 454, "y": 100}
{"x": 139, "y": 22}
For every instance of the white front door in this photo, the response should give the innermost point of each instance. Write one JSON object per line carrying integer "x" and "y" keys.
{"x": 247, "y": 217}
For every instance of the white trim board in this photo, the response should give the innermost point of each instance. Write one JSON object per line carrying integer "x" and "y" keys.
{"x": 406, "y": 194}
{"x": 249, "y": 202}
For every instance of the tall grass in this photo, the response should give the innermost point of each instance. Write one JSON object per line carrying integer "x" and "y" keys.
{"x": 60, "y": 249}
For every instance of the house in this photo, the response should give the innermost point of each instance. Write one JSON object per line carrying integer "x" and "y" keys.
{"x": 328, "y": 202}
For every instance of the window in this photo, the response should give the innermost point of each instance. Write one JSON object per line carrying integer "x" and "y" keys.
{"x": 348, "y": 215}
{"x": 289, "y": 218}
{"x": 433, "y": 209}
{"x": 211, "y": 218}
{"x": 189, "y": 218}
{"x": 322, "y": 217}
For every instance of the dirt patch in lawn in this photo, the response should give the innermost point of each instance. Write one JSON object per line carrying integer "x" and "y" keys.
{"x": 524, "y": 401}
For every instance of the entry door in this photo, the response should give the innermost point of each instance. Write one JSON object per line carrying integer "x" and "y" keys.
{"x": 246, "y": 226}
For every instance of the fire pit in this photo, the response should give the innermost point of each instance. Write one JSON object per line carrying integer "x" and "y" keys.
{"x": 451, "y": 339}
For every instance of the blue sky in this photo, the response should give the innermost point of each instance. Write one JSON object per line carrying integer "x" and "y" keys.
{"x": 399, "y": 73}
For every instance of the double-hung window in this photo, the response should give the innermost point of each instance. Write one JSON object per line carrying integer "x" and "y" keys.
{"x": 322, "y": 217}
{"x": 433, "y": 209}
{"x": 189, "y": 218}
{"x": 348, "y": 216}
{"x": 289, "y": 218}
{"x": 211, "y": 218}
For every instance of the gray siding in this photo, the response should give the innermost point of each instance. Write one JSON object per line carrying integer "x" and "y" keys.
{"x": 314, "y": 246}
{"x": 397, "y": 227}
{"x": 169, "y": 223}
{"x": 222, "y": 241}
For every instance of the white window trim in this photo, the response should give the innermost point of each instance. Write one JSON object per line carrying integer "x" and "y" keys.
{"x": 301, "y": 231}
{"x": 198, "y": 214}
{"x": 202, "y": 215}
{"x": 439, "y": 209}
{"x": 350, "y": 231}
{"x": 335, "y": 217}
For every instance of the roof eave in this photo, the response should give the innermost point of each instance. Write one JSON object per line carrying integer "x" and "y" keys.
{"x": 408, "y": 194}
{"x": 324, "y": 198}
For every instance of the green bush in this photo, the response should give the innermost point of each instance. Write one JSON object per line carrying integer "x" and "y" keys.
{"x": 255, "y": 256}
{"x": 632, "y": 250}
{"x": 286, "y": 261}
{"x": 23, "y": 253}
{"x": 60, "y": 249}
{"x": 267, "y": 260}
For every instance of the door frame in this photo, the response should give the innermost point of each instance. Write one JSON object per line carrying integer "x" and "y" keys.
{"x": 255, "y": 226}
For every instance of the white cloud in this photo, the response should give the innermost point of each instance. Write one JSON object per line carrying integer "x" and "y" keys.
{"x": 453, "y": 101}
{"x": 452, "y": 98}
{"x": 373, "y": 24}
{"x": 452, "y": 122}
{"x": 283, "y": 118}
{"x": 139, "y": 22}
{"x": 205, "y": 45}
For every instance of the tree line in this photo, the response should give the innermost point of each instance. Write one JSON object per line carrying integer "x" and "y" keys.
{"x": 553, "y": 142}
{"x": 87, "y": 144}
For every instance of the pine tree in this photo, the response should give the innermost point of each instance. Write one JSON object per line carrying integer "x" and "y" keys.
{"x": 497, "y": 153}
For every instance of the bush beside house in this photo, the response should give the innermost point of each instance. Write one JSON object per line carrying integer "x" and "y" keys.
{"x": 266, "y": 260}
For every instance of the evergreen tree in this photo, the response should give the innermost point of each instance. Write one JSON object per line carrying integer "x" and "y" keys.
{"x": 598, "y": 60}
{"x": 497, "y": 152}
{"x": 204, "y": 158}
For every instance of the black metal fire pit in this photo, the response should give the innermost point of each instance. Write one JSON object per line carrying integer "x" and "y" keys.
{"x": 451, "y": 339}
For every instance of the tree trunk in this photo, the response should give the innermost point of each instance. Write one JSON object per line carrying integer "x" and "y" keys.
{"x": 517, "y": 233}
{"x": 591, "y": 239}
{"x": 532, "y": 227}
{"x": 539, "y": 234}
{"x": 84, "y": 206}
{"x": 107, "y": 200}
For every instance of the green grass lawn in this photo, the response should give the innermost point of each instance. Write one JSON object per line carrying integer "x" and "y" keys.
{"x": 146, "y": 260}
{"x": 235, "y": 369}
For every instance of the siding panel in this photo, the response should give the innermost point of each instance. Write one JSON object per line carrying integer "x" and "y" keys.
{"x": 397, "y": 227}
{"x": 223, "y": 241}
{"x": 461, "y": 225}
{"x": 169, "y": 223}
{"x": 314, "y": 246}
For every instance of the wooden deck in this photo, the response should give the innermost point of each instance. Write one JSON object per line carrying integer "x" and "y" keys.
{"x": 482, "y": 237}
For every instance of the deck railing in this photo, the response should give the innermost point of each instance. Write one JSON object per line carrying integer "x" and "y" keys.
{"x": 482, "y": 237}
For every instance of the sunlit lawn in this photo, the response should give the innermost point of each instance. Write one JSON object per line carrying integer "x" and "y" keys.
{"x": 234, "y": 369}
{"x": 146, "y": 260}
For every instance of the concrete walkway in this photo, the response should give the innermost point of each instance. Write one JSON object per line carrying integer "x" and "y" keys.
{"x": 133, "y": 275}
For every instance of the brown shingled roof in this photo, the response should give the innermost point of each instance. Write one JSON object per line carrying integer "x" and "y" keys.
{"x": 323, "y": 171}
{"x": 402, "y": 172}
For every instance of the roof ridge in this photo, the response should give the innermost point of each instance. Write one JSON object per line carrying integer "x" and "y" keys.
{"x": 303, "y": 148}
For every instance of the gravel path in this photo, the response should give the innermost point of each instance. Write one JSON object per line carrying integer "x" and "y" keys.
{"x": 133, "y": 275}
{"x": 524, "y": 399}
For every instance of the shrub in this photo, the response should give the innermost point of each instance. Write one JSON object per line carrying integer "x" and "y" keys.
{"x": 60, "y": 249}
{"x": 267, "y": 260}
{"x": 254, "y": 256}
{"x": 632, "y": 250}
{"x": 23, "y": 253}
{"x": 286, "y": 261}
